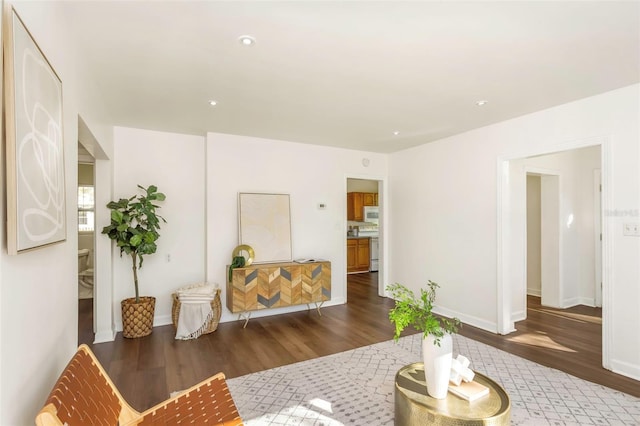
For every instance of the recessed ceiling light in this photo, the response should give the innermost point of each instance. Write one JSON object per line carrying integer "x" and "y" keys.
{"x": 247, "y": 40}
{"x": 396, "y": 133}
{"x": 213, "y": 103}
{"x": 481, "y": 102}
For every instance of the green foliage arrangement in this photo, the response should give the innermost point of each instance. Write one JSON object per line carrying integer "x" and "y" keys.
{"x": 417, "y": 312}
{"x": 134, "y": 226}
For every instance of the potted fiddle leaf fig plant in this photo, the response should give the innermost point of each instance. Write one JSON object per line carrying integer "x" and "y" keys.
{"x": 134, "y": 227}
{"x": 437, "y": 346}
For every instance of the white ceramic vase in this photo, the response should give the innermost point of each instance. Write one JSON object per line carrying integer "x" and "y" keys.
{"x": 437, "y": 364}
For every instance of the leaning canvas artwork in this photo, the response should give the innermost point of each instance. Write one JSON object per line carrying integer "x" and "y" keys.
{"x": 265, "y": 225}
{"x": 35, "y": 158}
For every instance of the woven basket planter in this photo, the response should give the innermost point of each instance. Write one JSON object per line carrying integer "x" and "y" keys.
{"x": 137, "y": 318}
{"x": 212, "y": 325}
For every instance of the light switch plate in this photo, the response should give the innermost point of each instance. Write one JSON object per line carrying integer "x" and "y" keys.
{"x": 631, "y": 229}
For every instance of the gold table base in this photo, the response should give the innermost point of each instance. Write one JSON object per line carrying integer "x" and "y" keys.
{"x": 414, "y": 407}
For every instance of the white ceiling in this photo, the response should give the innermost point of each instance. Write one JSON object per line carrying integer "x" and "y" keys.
{"x": 349, "y": 74}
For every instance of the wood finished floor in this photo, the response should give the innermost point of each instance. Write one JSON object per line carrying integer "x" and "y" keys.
{"x": 146, "y": 370}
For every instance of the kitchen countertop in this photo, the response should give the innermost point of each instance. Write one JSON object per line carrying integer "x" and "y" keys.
{"x": 358, "y": 237}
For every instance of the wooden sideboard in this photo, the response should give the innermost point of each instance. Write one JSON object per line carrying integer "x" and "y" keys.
{"x": 276, "y": 285}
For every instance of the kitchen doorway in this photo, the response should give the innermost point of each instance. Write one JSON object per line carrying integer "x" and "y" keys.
{"x": 364, "y": 230}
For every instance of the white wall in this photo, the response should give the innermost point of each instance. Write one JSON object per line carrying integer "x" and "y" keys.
{"x": 310, "y": 174}
{"x": 533, "y": 235}
{"x": 444, "y": 210}
{"x": 575, "y": 170}
{"x": 38, "y": 291}
{"x": 552, "y": 242}
{"x": 175, "y": 164}
{"x": 442, "y": 224}
{"x": 362, "y": 185}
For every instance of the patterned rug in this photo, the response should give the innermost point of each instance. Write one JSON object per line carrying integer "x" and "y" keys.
{"x": 356, "y": 388}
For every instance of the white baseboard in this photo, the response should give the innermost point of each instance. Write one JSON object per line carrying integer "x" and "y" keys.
{"x": 104, "y": 336}
{"x": 162, "y": 320}
{"x": 467, "y": 319}
{"x": 518, "y": 316}
{"x": 588, "y": 301}
{"x": 575, "y": 301}
{"x": 534, "y": 292}
{"x": 158, "y": 321}
{"x": 228, "y": 316}
{"x": 625, "y": 369}
{"x": 569, "y": 303}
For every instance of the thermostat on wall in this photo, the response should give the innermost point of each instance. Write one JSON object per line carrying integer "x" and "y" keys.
{"x": 322, "y": 206}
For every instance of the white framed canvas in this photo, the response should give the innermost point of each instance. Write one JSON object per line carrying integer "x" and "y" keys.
{"x": 34, "y": 142}
{"x": 265, "y": 225}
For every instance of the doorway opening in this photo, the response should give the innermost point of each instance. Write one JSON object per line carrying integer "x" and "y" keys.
{"x": 544, "y": 254}
{"x": 551, "y": 223}
{"x": 86, "y": 245}
{"x": 363, "y": 232}
{"x": 96, "y": 320}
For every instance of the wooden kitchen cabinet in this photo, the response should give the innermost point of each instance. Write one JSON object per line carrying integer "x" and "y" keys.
{"x": 370, "y": 198}
{"x": 355, "y": 202}
{"x": 358, "y": 255}
{"x": 352, "y": 255}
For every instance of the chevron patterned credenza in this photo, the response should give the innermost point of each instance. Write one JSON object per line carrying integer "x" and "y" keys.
{"x": 276, "y": 285}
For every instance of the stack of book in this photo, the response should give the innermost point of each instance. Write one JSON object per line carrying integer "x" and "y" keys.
{"x": 469, "y": 390}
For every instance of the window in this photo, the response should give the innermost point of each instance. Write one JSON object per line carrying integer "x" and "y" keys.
{"x": 86, "y": 209}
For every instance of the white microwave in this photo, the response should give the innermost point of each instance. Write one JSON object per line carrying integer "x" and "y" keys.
{"x": 370, "y": 214}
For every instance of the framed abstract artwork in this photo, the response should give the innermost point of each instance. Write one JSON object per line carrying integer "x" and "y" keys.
{"x": 265, "y": 226}
{"x": 34, "y": 143}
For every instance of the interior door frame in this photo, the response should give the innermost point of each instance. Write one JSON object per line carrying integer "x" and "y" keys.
{"x": 104, "y": 327}
{"x": 597, "y": 208}
{"x": 505, "y": 251}
{"x": 549, "y": 271}
{"x": 382, "y": 230}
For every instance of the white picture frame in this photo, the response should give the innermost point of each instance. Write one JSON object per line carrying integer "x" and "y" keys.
{"x": 36, "y": 214}
{"x": 265, "y": 225}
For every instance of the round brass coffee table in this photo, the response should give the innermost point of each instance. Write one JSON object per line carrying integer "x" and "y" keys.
{"x": 414, "y": 407}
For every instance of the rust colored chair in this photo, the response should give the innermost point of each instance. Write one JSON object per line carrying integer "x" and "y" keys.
{"x": 85, "y": 395}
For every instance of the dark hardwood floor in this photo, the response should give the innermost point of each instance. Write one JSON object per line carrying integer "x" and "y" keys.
{"x": 85, "y": 321}
{"x": 146, "y": 370}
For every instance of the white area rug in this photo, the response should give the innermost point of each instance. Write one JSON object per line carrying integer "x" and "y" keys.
{"x": 356, "y": 388}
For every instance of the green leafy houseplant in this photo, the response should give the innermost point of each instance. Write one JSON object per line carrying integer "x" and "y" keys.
{"x": 417, "y": 312}
{"x": 134, "y": 226}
